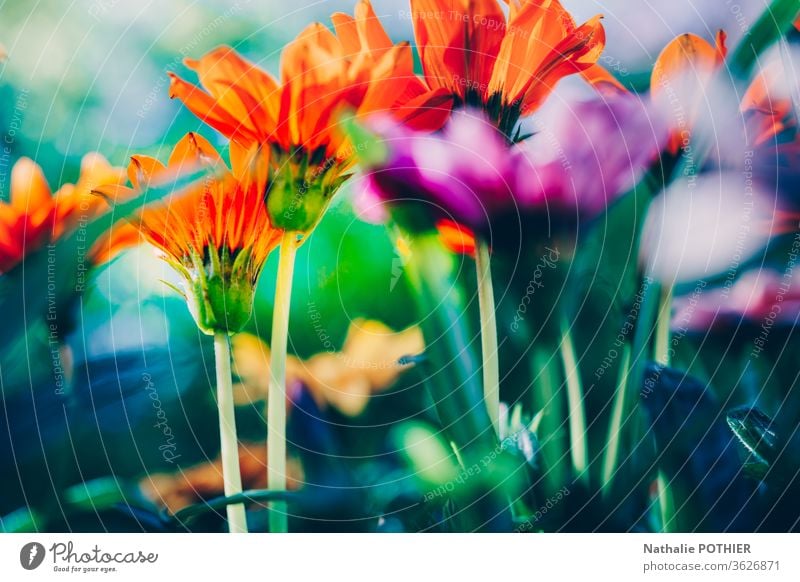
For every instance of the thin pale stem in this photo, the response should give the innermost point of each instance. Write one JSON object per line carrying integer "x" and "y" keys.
{"x": 577, "y": 414}
{"x": 231, "y": 475}
{"x": 666, "y": 504}
{"x": 621, "y": 398}
{"x": 491, "y": 364}
{"x": 662, "y": 349}
{"x": 276, "y": 403}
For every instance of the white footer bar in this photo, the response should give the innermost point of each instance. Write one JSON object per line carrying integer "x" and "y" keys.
{"x": 401, "y": 557}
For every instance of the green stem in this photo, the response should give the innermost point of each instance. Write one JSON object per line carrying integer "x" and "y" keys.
{"x": 663, "y": 320}
{"x": 621, "y": 397}
{"x": 491, "y": 364}
{"x": 575, "y": 405}
{"x": 231, "y": 474}
{"x": 666, "y": 504}
{"x": 276, "y": 401}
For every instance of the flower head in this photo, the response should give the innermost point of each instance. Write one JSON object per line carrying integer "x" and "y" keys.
{"x": 681, "y": 78}
{"x": 468, "y": 175}
{"x": 217, "y": 235}
{"x": 771, "y": 124}
{"x": 757, "y": 297}
{"x": 34, "y": 216}
{"x": 757, "y": 134}
{"x": 504, "y": 65}
{"x": 325, "y": 75}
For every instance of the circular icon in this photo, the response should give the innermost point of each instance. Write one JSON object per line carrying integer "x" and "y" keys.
{"x": 31, "y": 555}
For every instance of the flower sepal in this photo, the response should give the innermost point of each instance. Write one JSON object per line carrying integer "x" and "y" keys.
{"x": 220, "y": 294}
{"x": 299, "y": 195}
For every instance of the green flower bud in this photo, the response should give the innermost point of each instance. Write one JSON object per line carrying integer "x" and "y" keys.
{"x": 220, "y": 294}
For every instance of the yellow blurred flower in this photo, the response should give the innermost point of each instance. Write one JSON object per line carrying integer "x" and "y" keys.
{"x": 345, "y": 380}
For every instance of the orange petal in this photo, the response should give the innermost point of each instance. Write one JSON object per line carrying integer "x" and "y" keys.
{"x": 204, "y": 106}
{"x": 142, "y": 169}
{"x": 30, "y": 192}
{"x": 244, "y": 90}
{"x": 347, "y": 32}
{"x": 96, "y": 170}
{"x": 393, "y": 81}
{"x": 456, "y": 237}
{"x": 371, "y": 33}
{"x": 685, "y": 54}
{"x": 534, "y": 29}
{"x": 602, "y": 80}
{"x": 458, "y": 42}
{"x": 120, "y": 236}
{"x": 314, "y": 77}
{"x": 192, "y": 148}
{"x": 12, "y": 236}
{"x": 679, "y": 78}
{"x": 315, "y": 57}
{"x": 427, "y": 112}
{"x": 576, "y": 52}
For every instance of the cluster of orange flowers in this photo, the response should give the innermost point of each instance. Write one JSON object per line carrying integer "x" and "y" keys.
{"x": 34, "y": 216}
{"x": 288, "y": 152}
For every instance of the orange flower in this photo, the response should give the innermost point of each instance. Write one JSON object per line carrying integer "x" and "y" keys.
{"x": 767, "y": 103}
{"x": 204, "y": 481}
{"x": 34, "y": 217}
{"x": 217, "y": 235}
{"x": 505, "y": 66}
{"x": 682, "y": 72}
{"x": 367, "y": 364}
{"x": 323, "y": 75}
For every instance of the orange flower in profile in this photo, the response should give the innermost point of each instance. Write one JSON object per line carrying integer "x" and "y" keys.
{"x": 324, "y": 74}
{"x": 682, "y": 73}
{"x": 217, "y": 235}
{"x": 35, "y": 217}
{"x": 767, "y": 103}
{"x": 505, "y": 66}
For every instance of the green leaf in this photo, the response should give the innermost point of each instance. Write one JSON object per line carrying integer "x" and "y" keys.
{"x": 754, "y": 430}
{"x": 771, "y": 25}
{"x": 22, "y": 520}
{"x": 367, "y": 146}
{"x": 97, "y": 494}
{"x": 252, "y": 496}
